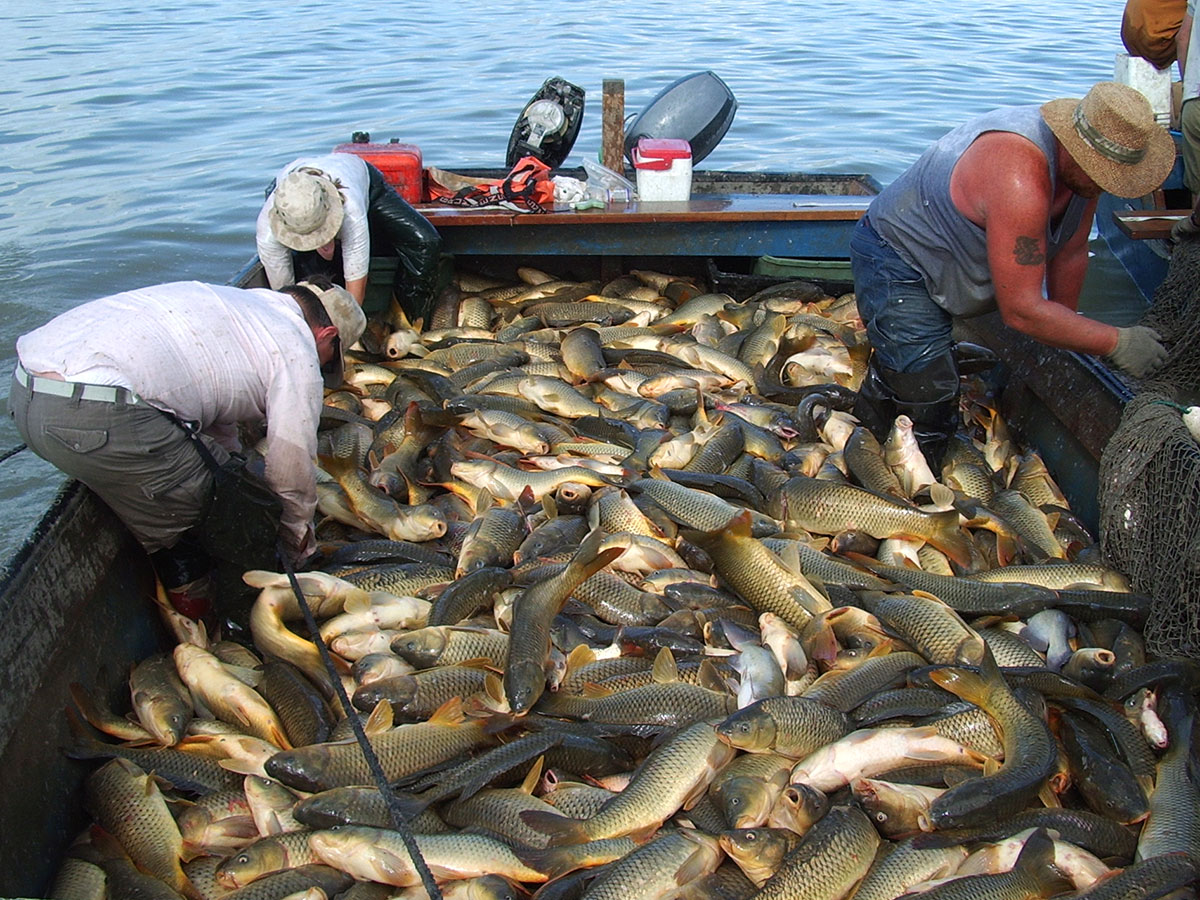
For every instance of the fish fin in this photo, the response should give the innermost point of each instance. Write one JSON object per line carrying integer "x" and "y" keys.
{"x": 1037, "y": 859}
{"x": 449, "y": 713}
{"x": 960, "y": 682}
{"x": 551, "y": 862}
{"x": 525, "y": 501}
{"x": 696, "y": 866}
{"x": 106, "y": 843}
{"x": 580, "y": 656}
{"x": 593, "y": 691}
{"x": 533, "y": 776}
{"x": 550, "y": 505}
{"x": 949, "y": 537}
{"x": 656, "y": 472}
{"x": 1046, "y": 795}
{"x": 381, "y": 719}
{"x": 709, "y": 677}
{"x": 261, "y": 579}
{"x": 559, "y": 828}
{"x": 244, "y": 674}
{"x": 739, "y": 526}
{"x": 239, "y": 766}
{"x": 940, "y": 496}
{"x": 358, "y": 603}
{"x": 822, "y": 645}
{"x": 664, "y": 668}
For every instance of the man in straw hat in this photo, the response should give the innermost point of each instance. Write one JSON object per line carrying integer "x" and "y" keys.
{"x": 323, "y": 214}
{"x": 91, "y": 386}
{"x": 996, "y": 215}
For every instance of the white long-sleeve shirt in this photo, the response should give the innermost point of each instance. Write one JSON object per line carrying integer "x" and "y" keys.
{"x": 350, "y": 172}
{"x": 212, "y": 354}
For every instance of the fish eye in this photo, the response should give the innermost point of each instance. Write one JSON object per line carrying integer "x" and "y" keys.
{"x": 744, "y": 727}
{"x": 735, "y": 801}
{"x": 751, "y": 836}
{"x": 242, "y": 858}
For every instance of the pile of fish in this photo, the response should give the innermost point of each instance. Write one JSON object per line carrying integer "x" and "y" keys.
{"x": 629, "y": 606}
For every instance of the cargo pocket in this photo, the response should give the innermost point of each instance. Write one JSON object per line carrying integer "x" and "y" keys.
{"x": 79, "y": 440}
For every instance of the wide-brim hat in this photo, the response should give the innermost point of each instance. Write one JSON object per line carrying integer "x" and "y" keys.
{"x": 306, "y": 210}
{"x": 1111, "y": 133}
{"x": 349, "y": 319}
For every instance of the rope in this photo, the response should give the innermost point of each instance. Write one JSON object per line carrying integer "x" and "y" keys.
{"x": 8, "y": 454}
{"x": 397, "y": 816}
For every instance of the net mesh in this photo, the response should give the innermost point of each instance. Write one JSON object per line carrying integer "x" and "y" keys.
{"x": 1150, "y": 472}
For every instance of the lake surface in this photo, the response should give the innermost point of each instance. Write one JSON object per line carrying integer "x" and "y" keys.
{"x": 137, "y": 138}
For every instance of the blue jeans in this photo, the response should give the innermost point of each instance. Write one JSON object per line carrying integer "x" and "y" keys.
{"x": 908, "y": 331}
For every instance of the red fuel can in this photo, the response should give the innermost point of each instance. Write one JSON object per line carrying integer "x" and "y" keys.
{"x": 399, "y": 163}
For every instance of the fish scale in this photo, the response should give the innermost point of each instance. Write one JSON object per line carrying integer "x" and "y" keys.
{"x": 402, "y": 751}
{"x": 830, "y": 860}
{"x": 264, "y": 856}
{"x": 671, "y": 775}
{"x": 658, "y": 867}
{"x": 128, "y": 804}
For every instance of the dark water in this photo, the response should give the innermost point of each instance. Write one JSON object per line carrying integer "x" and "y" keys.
{"x": 137, "y": 138}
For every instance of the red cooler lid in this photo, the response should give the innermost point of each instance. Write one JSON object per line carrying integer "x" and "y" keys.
{"x": 657, "y": 153}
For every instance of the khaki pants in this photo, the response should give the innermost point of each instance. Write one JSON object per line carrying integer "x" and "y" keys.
{"x": 132, "y": 456}
{"x": 1189, "y": 127}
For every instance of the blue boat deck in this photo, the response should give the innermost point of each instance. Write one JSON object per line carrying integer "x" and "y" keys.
{"x": 751, "y": 225}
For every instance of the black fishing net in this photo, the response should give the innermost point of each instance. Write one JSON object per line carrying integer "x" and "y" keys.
{"x": 1150, "y": 472}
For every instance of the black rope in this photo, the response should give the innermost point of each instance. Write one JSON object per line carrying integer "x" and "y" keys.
{"x": 397, "y": 816}
{"x": 8, "y": 454}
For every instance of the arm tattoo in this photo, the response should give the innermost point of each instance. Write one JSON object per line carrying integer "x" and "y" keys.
{"x": 1027, "y": 252}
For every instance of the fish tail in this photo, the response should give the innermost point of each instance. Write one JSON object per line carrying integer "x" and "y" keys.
{"x": 949, "y": 537}
{"x": 409, "y": 805}
{"x": 560, "y": 829}
{"x": 962, "y": 683}
{"x": 553, "y": 862}
{"x": 1037, "y": 859}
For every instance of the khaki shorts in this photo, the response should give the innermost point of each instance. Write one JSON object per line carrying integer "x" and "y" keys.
{"x": 133, "y": 457}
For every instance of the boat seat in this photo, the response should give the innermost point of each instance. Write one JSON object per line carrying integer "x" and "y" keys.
{"x": 1148, "y": 224}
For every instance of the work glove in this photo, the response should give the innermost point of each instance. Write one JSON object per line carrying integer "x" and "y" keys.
{"x": 1139, "y": 351}
{"x": 1186, "y": 229}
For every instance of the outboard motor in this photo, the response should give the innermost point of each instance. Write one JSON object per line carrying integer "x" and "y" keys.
{"x": 698, "y": 108}
{"x": 549, "y": 124}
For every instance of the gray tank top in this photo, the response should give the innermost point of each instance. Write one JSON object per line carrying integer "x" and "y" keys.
{"x": 916, "y": 216}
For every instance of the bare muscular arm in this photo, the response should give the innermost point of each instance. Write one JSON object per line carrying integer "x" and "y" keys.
{"x": 1002, "y": 184}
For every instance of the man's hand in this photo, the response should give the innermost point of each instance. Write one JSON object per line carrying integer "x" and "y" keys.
{"x": 1139, "y": 351}
{"x": 1186, "y": 229}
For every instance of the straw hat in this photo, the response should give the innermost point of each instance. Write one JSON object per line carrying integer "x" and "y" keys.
{"x": 1112, "y": 134}
{"x": 350, "y": 321}
{"x": 307, "y": 210}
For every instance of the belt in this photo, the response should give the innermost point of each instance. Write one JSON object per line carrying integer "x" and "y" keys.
{"x": 101, "y": 393}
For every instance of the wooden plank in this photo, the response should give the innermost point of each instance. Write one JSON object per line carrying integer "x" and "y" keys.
{"x": 711, "y": 208}
{"x": 1148, "y": 224}
{"x": 612, "y": 139}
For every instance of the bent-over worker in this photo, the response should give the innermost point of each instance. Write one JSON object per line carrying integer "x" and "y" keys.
{"x": 996, "y": 215}
{"x": 322, "y": 216}
{"x": 89, "y": 386}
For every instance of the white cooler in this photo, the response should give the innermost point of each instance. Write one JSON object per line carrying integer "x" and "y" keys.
{"x": 664, "y": 169}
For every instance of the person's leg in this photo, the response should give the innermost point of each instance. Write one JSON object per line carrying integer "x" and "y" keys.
{"x": 137, "y": 462}
{"x": 415, "y": 241}
{"x": 1189, "y": 128}
{"x": 912, "y": 370}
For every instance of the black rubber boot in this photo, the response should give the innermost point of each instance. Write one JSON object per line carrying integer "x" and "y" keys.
{"x": 186, "y": 574}
{"x": 928, "y": 396}
{"x": 875, "y": 407}
{"x": 399, "y": 227}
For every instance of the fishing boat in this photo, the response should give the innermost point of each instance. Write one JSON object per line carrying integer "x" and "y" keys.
{"x": 75, "y": 599}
